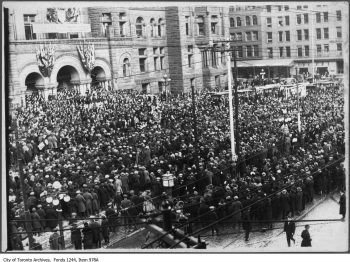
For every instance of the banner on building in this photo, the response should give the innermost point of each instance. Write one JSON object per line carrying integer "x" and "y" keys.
{"x": 61, "y": 28}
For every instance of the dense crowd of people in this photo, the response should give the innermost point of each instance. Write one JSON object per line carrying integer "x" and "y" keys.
{"x": 110, "y": 154}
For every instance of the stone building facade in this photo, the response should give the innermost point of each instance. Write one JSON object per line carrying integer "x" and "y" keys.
{"x": 147, "y": 49}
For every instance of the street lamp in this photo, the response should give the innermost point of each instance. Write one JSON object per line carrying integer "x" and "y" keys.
{"x": 166, "y": 80}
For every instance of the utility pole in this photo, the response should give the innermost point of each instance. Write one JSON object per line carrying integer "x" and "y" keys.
{"x": 236, "y": 101}
{"x": 299, "y": 124}
{"x": 195, "y": 127}
{"x": 233, "y": 135}
{"x": 28, "y": 225}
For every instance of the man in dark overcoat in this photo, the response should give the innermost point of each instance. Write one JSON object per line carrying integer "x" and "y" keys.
{"x": 289, "y": 228}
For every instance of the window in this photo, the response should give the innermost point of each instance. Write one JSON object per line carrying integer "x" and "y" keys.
{"x": 162, "y": 63}
{"x": 318, "y": 33}
{"x": 122, "y": 31}
{"x": 105, "y": 28}
{"x": 145, "y": 88}
{"x": 288, "y": 51}
{"x": 161, "y": 50}
{"x": 319, "y": 50}
{"x": 339, "y": 33}
{"x": 28, "y": 27}
{"x": 339, "y": 47}
{"x": 139, "y": 27}
{"x": 248, "y": 36}
{"x": 325, "y": 33}
{"x": 155, "y": 50}
{"x": 187, "y": 25}
{"x": 249, "y": 51}
{"x": 269, "y": 37}
{"x": 214, "y": 57}
{"x": 205, "y": 60}
{"x": 142, "y": 62}
{"x": 269, "y": 52}
{"x": 126, "y": 67}
{"x": 190, "y": 56}
{"x": 287, "y": 36}
{"x": 306, "y": 18}
{"x": 268, "y": 8}
{"x": 279, "y": 8}
{"x": 307, "y": 50}
{"x": 160, "y": 27}
{"x": 286, "y": 18}
{"x": 240, "y": 51}
{"x": 325, "y": 16}
{"x": 232, "y": 22}
{"x": 223, "y": 57}
{"x": 239, "y": 22}
{"x": 142, "y": 51}
{"x": 281, "y": 51}
{"x": 299, "y": 35}
{"x": 326, "y": 48}
{"x": 213, "y": 28}
{"x": 256, "y": 50}
{"x": 300, "y": 51}
{"x": 306, "y": 34}
{"x": 155, "y": 59}
{"x": 268, "y": 21}
{"x": 338, "y": 15}
{"x": 299, "y": 7}
{"x": 318, "y": 17}
{"x": 280, "y": 36}
{"x": 286, "y": 8}
{"x": 239, "y": 36}
{"x": 217, "y": 81}
{"x": 255, "y": 36}
{"x": 200, "y": 23}
{"x": 280, "y": 21}
{"x": 255, "y": 20}
{"x": 298, "y": 19}
{"x": 247, "y": 21}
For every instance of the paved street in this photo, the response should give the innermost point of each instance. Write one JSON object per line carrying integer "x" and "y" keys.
{"x": 326, "y": 236}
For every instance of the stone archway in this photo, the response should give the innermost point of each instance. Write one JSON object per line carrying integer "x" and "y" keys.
{"x": 98, "y": 77}
{"x": 34, "y": 81}
{"x": 67, "y": 78}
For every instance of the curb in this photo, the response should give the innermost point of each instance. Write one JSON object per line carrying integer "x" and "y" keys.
{"x": 321, "y": 200}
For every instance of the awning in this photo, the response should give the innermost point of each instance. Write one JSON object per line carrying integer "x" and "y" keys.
{"x": 264, "y": 63}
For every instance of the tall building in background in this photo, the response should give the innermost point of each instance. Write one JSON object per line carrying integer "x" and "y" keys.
{"x": 293, "y": 37}
{"x": 147, "y": 49}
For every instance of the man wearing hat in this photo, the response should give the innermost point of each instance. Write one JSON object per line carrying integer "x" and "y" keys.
{"x": 80, "y": 204}
{"x": 76, "y": 238}
{"x": 289, "y": 228}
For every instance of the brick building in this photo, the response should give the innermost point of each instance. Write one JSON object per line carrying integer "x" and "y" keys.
{"x": 303, "y": 37}
{"x": 148, "y": 49}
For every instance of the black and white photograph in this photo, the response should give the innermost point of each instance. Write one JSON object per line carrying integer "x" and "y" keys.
{"x": 173, "y": 127}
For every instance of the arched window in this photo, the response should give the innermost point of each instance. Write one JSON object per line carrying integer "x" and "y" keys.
{"x": 152, "y": 24}
{"x": 139, "y": 27}
{"x": 126, "y": 67}
{"x": 160, "y": 27}
{"x": 247, "y": 21}
{"x": 239, "y": 22}
{"x": 232, "y": 22}
{"x": 255, "y": 20}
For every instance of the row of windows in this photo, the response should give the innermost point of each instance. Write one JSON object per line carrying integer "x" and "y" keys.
{"x": 212, "y": 58}
{"x": 248, "y": 21}
{"x": 248, "y": 36}
{"x": 302, "y": 51}
{"x": 325, "y": 16}
{"x": 247, "y": 51}
{"x": 304, "y": 32}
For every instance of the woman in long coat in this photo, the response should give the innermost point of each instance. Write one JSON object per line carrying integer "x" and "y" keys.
{"x": 95, "y": 202}
{"x": 36, "y": 221}
{"x": 305, "y": 235}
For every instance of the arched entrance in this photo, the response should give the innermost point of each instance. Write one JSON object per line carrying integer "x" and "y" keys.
{"x": 67, "y": 78}
{"x": 98, "y": 78}
{"x": 34, "y": 81}
{"x": 35, "y": 84}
